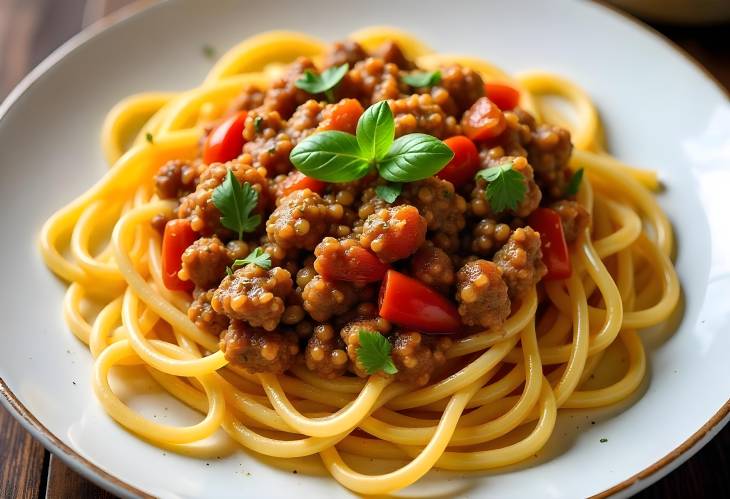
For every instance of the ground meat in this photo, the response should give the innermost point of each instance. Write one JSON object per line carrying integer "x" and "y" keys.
{"x": 350, "y": 334}
{"x": 254, "y": 294}
{"x": 158, "y": 223}
{"x": 250, "y": 98}
{"x": 520, "y": 261}
{"x": 394, "y": 233}
{"x": 370, "y": 202}
{"x": 549, "y": 152}
{"x": 464, "y": 85}
{"x": 258, "y": 350}
{"x": 391, "y": 53}
{"x": 514, "y": 140}
{"x": 204, "y": 262}
{"x": 283, "y": 96}
{"x": 420, "y": 114}
{"x": 417, "y": 356}
{"x": 437, "y": 202}
{"x": 304, "y": 121}
{"x": 325, "y": 353}
{"x": 302, "y": 219}
{"x": 373, "y": 80}
{"x": 432, "y": 266}
{"x": 575, "y": 218}
{"x": 346, "y": 51}
{"x": 488, "y": 236}
{"x": 267, "y": 142}
{"x": 479, "y": 205}
{"x": 324, "y": 298}
{"x": 177, "y": 178}
{"x": 198, "y": 206}
{"x": 204, "y": 317}
{"x": 482, "y": 294}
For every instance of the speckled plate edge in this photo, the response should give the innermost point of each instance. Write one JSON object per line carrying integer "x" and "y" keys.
{"x": 80, "y": 464}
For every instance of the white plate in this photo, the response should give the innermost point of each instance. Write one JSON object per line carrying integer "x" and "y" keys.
{"x": 660, "y": 111}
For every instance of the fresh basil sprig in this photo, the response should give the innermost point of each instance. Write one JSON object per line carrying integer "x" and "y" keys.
{"x": 324, "y": 82}
{"x": 389, "y": 192}
{"x": 334, "y": 156}
{"x": 425, "y": 79}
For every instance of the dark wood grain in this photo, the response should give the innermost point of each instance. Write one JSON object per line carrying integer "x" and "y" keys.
{"x": 31, "y": 29}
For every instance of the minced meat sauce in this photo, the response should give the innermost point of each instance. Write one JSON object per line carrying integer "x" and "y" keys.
{"x": 311, "y": 304}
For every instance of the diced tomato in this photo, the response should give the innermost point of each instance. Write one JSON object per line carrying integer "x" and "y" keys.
{"x": 176, "y": 239}
{"x": 504, "y": 96}
{"x": 555, "y": 253}
{"x": 296, "y": 181}
{"x": 225, "y": 142}
{"x": 410, "y": 303}
{"x": 464, "y": 165}
{"x": 356, "y": 265}
{"x": 397, "y": 237}
{"x": 483, "y": 120}
{"x": 342, "y": 116}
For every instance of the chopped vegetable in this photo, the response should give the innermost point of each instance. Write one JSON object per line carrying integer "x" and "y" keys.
{"x": 483, "y": 120}
{"x": 423, "y": 79}
{"x": 296, "y": 181}
{"x": 225, "y": 142}
{"x": 504, "y": 96}
{"x": 236, "y": 201}
{"x": 374, "y": 353}
{"x": 324, "y": 82}
{"x": 555, "y": 253}
{"x": 343, "y": 116}
{"x": 464, "y": 165}
{"x": 177, "y": 237}
{"x": 409, "y": 303}
{"x": 359, "y": 265}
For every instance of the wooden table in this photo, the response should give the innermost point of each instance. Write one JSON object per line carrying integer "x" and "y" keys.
{"x": 31, "y": 29}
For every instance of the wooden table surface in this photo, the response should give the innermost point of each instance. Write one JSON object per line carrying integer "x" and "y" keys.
{"x": 31, "y": 29}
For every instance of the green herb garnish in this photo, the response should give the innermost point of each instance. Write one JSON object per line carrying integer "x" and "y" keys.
{"x": 604, "y": 440}
{"x": 374, "y": 353}
{"x": 257, "y": 257}
{"x": 505, "y": 188}
{"x": 149, "y": 138}
{"x": 423, "y": 79}
{"x": 236, "y": 201}
{"x": 258, "y": 124}
{"x": 334, "y": 156}
{"x": 324, "y": 82}
{"x": 389, "y": 192}
{"x": 574, "y": 183}
{"x": 208, "y": 51}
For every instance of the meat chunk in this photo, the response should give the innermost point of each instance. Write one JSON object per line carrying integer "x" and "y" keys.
{"x": 350, "y": 334}
{"x": 304, "y": 121}
{"x": 324, "y": 298}
{"x": 438, "y": 203}
{"x": 394, "y": 233}
{"x": 433, "y": 267}
{"x": 204, "y": 262}
{"x": 488, "y": 236}
{"x": 283, "y": 96}
{"x": 370, "y": 202}
{"x": 257, "y": 350}
{"x": 417, "y": 356}
{"x": 464, "y": 85}
{"x": 204, "y": 317}
{"x": 520, "y": 261}
{"x": 346, "y": 51}
{"x": 482, "y": 294}
{"x": 479, "y": 205}
{"x": 420, "y": 114}
{"x": 391, "y": 53}
{"x": 267, "y": 142}
{"x": 549, "y": 153}
{"x": 325, "y": 353}
{"x": 198, "y": 206}
{"x": 177, "y": 178}
{"x": 514, "y": 140}
{"x": 250, "y": 97}
{"x": 302, "y": 219}
{"x": 574, "y": 217}
{"x": 254, "y": 294}
{"x": 373, "y": 80}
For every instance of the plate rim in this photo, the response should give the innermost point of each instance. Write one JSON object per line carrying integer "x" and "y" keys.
{"x": 650, "y": 474}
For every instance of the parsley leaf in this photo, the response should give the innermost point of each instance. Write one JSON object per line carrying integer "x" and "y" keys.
{"x": 324, "y": 82}
{"x": 574, "y": 183}
{"x": 257, "y": 257}
{"x": 375, "y": 130}
{"x": 374, "y": 353}
{"x": 389, "y": 192}
{"x": 414, "y": 157}
{"x": 236, "y": 201}
{"x": 506, "y": 186}
{"x": 149, "y": 138}
{"x": 258, "y": 124}
{"x": 425, "y": 79}
{"x": 330, "y": 156}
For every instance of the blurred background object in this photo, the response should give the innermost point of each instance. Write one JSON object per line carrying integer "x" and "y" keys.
{"x": 32, "y": 29}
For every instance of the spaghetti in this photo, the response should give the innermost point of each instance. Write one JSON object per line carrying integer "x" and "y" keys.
{"x": 497, "y": 402}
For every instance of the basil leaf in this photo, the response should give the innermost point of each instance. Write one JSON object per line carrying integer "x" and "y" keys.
{"x": 375, "y": 130}
{"x": 425, "y": 79}
{"x": 574, "y": 184}
{"x": 389, "y": 192}
{"x": 330, "y": 156}
{"x": 324, "y": 82}
{"x": 414, "y": 157}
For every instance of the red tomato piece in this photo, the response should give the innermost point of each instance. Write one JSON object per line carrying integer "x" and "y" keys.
{"x": 176, "y": 239}
{"x": 410, "y": 303}
{"x": 555, "y": 253}
{"x": 356, "y": 264}
{"x": 296, "y": 181}
{"x": 504, "y": 96}
{"x": 342, "y": 116}
{"x": 483, "y": 120}
{"x": 225, "y": 142}
{"x": 464, "y": 165}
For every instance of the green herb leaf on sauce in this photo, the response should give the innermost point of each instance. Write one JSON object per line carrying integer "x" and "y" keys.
{"x": 331, "y": 156}
{"x": 505, "y": 188}
{"x": 375, "y": 130}
{"x": 574, "y": 183}
{"x": 209, "y": 51}
{"x": 389, "y": 192}
{"x": 374, "y": 353}
{"x": 423, "y": 79}
{"x": 257, "y": 257}
{"x": 414, "y": 157}
{"x": 236, "y": 201}
{"x": 324, "y": 82}
{"x": 258, "y": 124}
{"x": 149, "y": 138}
